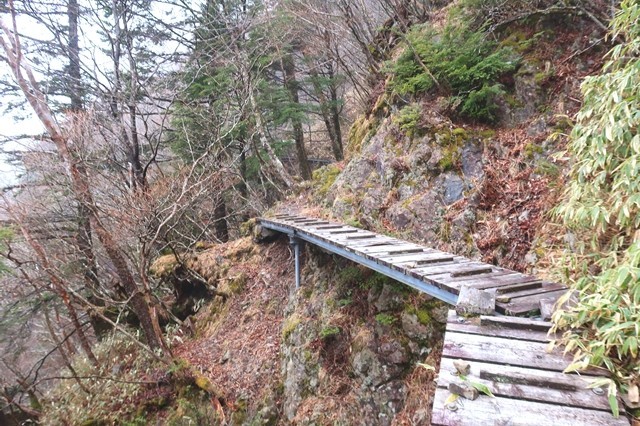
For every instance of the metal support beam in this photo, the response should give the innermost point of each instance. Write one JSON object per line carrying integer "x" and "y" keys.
{"x": 296, "y": 243}
{"x": 411, "y": 281}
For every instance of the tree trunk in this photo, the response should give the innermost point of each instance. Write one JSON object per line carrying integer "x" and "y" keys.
{"x": 335, "y": 112}
{"x": 220, "y": 218}
{"x": 84, "y": 233}
{"x": 326, "y": 112}
{"x": 278, "y": 172}
{"x": 290, "y": 82}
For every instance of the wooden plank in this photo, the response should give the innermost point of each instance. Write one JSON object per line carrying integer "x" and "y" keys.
{"x": 464, "y": 267}
{"x": 517, "y": 323}
{"x": 486, "y": 411}
{"x": 514, "y": 296}
{"x": 376, "y": 242}
{"x": 500, "y": 350}
{"x": 427, "y": 261}
{"x": 410, "y": 257}
{"x": 361, "y": 237}
{"x": 497, "y": 277}
{"x": 396, "y": 248}
{"x": 512, "y": 288}
{"x": 528, "y": 384}
{"x": 406, "y": 251}
{"x": 344, "y": 231}
{"x": 322, "y": 228}
{"x": 472, "y": 271}
{"x": 527, "y": 305}
{"x": 472, "y": 326}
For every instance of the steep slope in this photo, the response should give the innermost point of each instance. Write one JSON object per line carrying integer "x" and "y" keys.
{"x": 421, "y": 170}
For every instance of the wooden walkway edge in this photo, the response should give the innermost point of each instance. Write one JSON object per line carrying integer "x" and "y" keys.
{"x": 508, "y": 355}
{"x": 431, "y": 271}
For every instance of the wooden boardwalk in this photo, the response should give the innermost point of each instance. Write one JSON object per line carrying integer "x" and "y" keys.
{"x": 508, "y": 355}
{"x": 434, "y": 272}
{"x": 505, "y": 353}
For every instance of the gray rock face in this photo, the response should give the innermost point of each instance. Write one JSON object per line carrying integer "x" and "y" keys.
{"x": 471, "y": 158}
{"x": 413, "y": 328}
{"x": 299, "y": 369}
{"x": 452, "y": 187}
{"x": 387, "y": 299}
{"x": 374, "y": 360}
{"x": 368, "y": 368}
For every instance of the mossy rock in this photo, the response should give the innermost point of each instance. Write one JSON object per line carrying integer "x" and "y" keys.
{"x": 531, "y": 149}
{"x": 246, "y": 228}
{"x": 289, "y": 326}
{"x": 163, "y": 266}
{"x": 361, "y": 131}
{"x": 324, "y": 178}
{"x": 421, "y": 312}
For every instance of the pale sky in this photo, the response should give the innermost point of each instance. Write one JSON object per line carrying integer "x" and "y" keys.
{"x": 89, "y": 39}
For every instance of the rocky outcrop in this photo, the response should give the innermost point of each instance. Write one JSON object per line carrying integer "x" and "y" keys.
{"x": 350, "y": 340}
{"x": 407, "y": 183}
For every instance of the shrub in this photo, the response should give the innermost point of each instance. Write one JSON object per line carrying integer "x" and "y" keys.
{"x": 408, "y": 120}
{"x": 601, "y": 208}
{"x": 385, "y": 319}
{"x": 329, "y": 332}
{"x": 464, "y": 61}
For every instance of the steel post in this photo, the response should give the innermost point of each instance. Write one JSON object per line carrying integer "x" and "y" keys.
{"x": 296, "y": 243}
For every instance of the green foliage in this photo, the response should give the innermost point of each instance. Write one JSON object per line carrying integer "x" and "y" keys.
{"x": 481, "y": 104}
{"x": 408, "y": 120}
{"x": 422, "y": 313}
{"x": 386, "y": 319}
{"x": 108, "y": 401}
{"x": 375, "y": 280}
{"x": 289, "y": 326}
{"x": 464, "y": 61}
{"x": 329, "y": 332}
{"x": 352, "y": 221}
{"x": 349, "y": 275}
{"x": 194, "y": 408}
{"x": 601, "y": 208}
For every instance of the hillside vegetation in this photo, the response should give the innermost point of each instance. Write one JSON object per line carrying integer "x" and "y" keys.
{"x": 137, "y": 289}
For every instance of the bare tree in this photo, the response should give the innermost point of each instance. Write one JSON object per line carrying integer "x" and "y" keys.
{"x": 141, "y": 300}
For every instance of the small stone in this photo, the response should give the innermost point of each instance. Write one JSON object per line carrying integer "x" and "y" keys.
{"x": 546, "y": 308}
{"x": 531, "y": 258}
{"x": 634, "y": 394}
{"x": 225, "y": 357}
{"x": 476, "y": 302}
{"x": 524, "y": 216}
{"x": 464, "y": 391}
{"x": 462, "y": 367}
